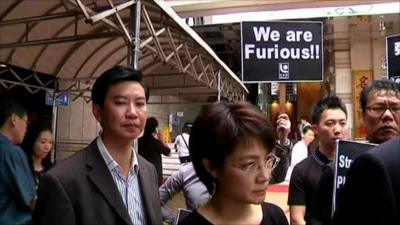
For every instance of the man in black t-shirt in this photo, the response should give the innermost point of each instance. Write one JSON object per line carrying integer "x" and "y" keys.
{"x": 329, "y": 121}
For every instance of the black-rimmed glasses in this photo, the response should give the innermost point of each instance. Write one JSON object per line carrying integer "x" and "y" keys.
{"x": 378, "y": 110}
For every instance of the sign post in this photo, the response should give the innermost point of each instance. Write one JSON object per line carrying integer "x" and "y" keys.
{"x": 62, "y": 98}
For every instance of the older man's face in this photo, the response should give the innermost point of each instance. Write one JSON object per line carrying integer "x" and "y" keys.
{"x": 382, "y": 116}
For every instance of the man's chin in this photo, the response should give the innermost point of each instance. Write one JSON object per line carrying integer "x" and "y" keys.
{"x": 385, "y": 136}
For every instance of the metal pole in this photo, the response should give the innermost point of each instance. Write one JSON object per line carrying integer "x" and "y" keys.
{"x": 219, "y": 86}
{"x": 136, "y": 47}
{"x": 54, "y": 121}
{"x": 282, "y": 97}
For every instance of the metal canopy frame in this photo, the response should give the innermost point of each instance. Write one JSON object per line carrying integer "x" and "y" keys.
{"x": 91, "y": 35}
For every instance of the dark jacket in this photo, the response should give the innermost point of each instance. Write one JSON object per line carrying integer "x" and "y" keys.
{"x": 81, "y": 190}
{"x": 371, "y": 195}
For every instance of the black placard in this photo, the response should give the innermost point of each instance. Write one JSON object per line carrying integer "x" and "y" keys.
{"x": 282, "y": 51}
{"x": 346, "y": 153}
{"x": 393, "y": 57}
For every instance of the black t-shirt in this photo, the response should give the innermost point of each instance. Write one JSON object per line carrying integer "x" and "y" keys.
{"x": 304, "y": 180}
{"x": 272, "y": 215}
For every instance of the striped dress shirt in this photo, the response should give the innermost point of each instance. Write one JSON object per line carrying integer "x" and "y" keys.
{"x": 128, "y": 188}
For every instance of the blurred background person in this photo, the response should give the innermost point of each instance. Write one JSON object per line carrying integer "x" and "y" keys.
{"x": 182, "y": 143}
{"x": 283, "y": 148}
{"x": 300, "y": 150}
{"x": 151, "y": 146}
{"x": 231, "y": 147}
{"x": 303, "y": 123}
{"x": 186, "y": 180}
{"x": 17, "y": 188}
{"x": 37, "y": 144}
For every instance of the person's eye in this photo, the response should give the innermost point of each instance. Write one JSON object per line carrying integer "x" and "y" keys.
{"x": 141, "y": 104}
{"x": 329, "y": 124}
{"x": 250, "y": 166}
{"x": 396, "y": 108}
{"x": 377, "y": 108}
{"x": 120, "y": 102}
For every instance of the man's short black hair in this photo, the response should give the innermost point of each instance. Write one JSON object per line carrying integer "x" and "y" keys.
{"x": 378, "y": 85}
{"x": 112, "y": 77}
{"x": 9, "y": 106}
{"x": 329, "y": 102}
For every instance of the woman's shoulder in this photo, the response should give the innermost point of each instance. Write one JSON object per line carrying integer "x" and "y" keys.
{"x": 273, "y": 214}
{"x": 194, "y": 218}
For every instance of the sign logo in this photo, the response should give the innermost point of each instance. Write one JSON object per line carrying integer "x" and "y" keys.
{"x": 283, "y": 71}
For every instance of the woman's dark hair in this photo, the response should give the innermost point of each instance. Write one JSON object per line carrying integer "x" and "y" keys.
{"x": 306, "y": 129}
{"x": 151, "y": 125}
{"x": 27, "y": 145}
{"x": 222, "y": 127}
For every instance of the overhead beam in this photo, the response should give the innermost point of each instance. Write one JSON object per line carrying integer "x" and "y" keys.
{"x": 60, "y": 40}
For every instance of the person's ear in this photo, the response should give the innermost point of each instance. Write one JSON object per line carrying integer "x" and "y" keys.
{"x": 210, "y": 168}
{"x": 14, "y": 118}
{"x": 96, "y": 110}
{"x": 315, "y": 129}
{"x": 364, "y": 117}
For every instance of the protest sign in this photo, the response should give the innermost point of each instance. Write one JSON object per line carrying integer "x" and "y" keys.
{"x": 346, "y": 153}
{"x": 393, "y": 57}
{"x": 282, "y": 51}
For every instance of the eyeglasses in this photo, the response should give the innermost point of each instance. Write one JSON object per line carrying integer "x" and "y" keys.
{"x": 253, "y": 167}
{"x": 378, "y": 110}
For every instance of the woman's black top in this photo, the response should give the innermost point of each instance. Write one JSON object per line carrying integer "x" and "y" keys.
{"x": 272, "y": 215}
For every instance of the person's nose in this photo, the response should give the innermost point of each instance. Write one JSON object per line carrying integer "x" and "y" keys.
{"x": 387, "y": 115}
{"x": 263, "y": 174}
{"x": 132, "y": 111}
{"x": 337, "y": 129}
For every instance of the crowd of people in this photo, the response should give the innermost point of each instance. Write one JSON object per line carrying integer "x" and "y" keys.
{"x": 229, "y": 156}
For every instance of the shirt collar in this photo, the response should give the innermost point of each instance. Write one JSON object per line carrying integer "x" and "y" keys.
{"x": 110, "y": 162}
{"x": 321, "y": 158}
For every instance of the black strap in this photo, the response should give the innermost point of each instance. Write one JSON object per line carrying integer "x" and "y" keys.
{"x": 185, "y": 141}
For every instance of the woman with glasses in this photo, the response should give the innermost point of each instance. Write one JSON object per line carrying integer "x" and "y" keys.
{"x": 231, "y": 147}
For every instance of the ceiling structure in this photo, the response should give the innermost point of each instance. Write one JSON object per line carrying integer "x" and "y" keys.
{"x": 76, "y": 40}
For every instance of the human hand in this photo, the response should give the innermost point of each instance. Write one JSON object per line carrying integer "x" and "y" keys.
{"x": 283, "y": 127}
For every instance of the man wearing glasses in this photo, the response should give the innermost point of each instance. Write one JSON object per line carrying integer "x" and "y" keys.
{"x": 371, "y": 193}
{"x": 380, "y": 104}
{"x": 17, "y": 187}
